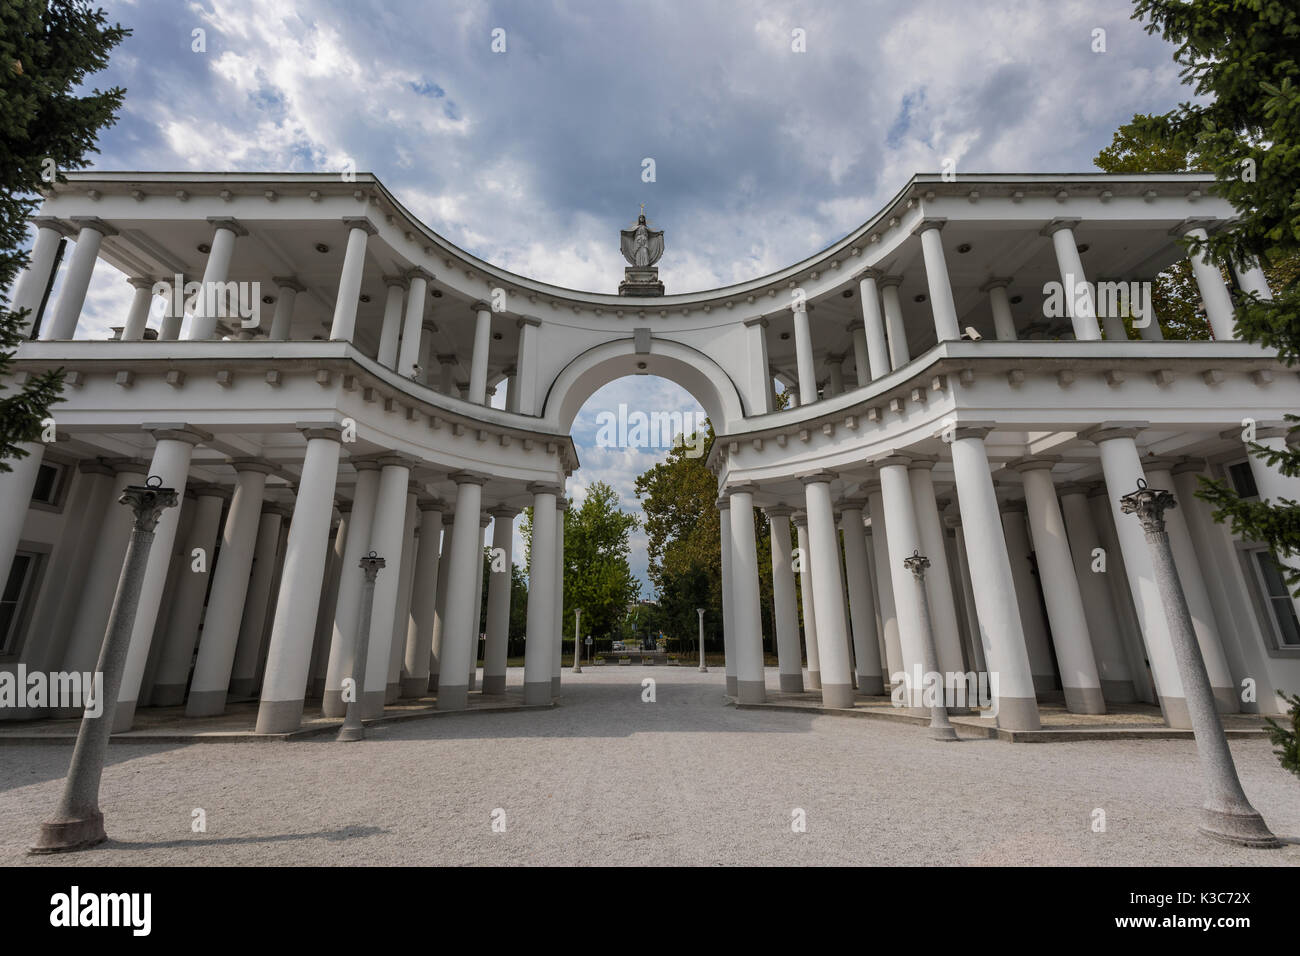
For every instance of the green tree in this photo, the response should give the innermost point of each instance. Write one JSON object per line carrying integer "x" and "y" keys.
{"x": 46, "y": 127}
{"x": 1242, "y": 60}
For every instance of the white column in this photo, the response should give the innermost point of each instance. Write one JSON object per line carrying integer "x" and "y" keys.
{"x": 479, "y": 359}
{"x": 1061, "y": 593}
{"x": 1214, "y": 291}
{"x": 512, "y": 392}
{"x": 344, "y": 325}
{"x": 748, "y": 642}
{"x": 873, "y": 322}
{"x": 1015, "y": 531}
{"x": 1080, "y": 305}
{"x": 861, "y": 360}
{"x": 171, "y": 463}
{"x": 1112, "y": 322}
{"x": 835, "y": 367}
{"x": 803, "y": 351}
{"x": 1004, "y": 324}
{"x": 538, "y": 652}
{"x": 1011, "y": 681}
{"x": 424, "y": 598}
{"x": 409, "y": 357}
{"x": 480, "y": 625}
{"x": 936, "y": 277}
{"x": 211, "y": 302}
{"x": 809, "y": 605}
{"x": 968, "y": 594}
{"x": 402, "y": 617}
{"x": 728, "y": 594}
{"x": 526, "y": 366}
{"x": 498, "y": 620}
{"x": 72, "y": 296}
{"x": 453, "y": 685}
{"x": 137, "y": 317}
{"x": 903, "y": 539}
{"x": 220, "y": 635}
{"x": 169, "y": 330}
{"x": 756, "y": 382}
{"x": 347, "y": 608}
{"x": 862, "y": 605}
{"x": 16, "y": 487}
{"x": 939, "y": 579}
{"x": 561, "y": 506}
{"x": 898, "y": 351}
{"x": 832, "y": 628}
{"x": 286, "y": 289}
{"x": 289, "y": 654}
{"x": 440, "y": 604}
{"x": 784, "y": 610}
{"x": 257, "y": 603}
{"x": 390, "y": 332}
{"x": 884, "y": 583}
{"x": 181, "y": 631}
{"x": 1252, "y": 279}
{"x": 1103, "y": 624}
{"x": 36, "y": 277}
{"x": 320, "y": 645}
{"x": 1269, "y": 481}
{"x": 386, "y": 538}
{"x": 1196, "y": 593}
{"x": 1122, "y": 467}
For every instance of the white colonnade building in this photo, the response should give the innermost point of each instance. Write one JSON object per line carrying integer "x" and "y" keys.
{"x": 355, "y": 415}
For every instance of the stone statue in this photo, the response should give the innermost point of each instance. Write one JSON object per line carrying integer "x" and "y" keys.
{"x": 641, "y": 247}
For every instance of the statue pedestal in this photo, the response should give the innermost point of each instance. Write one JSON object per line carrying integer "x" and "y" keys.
{"x": 641, "y": 281}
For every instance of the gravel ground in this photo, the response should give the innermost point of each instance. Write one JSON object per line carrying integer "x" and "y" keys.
{"x": 606, "y": 778}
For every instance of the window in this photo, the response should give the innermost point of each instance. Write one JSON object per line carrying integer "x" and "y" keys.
{"x": 49, "y": 483}
{"x": 14, "y": 597}
{"x": 1243, "y": 479}
{"x": 1277, "y": 597}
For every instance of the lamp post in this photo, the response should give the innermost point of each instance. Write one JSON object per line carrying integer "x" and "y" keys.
{"x": 78, "y": 823}
{"x": 700, "y": 612}
{"x": 352, "y": 728}
{"x": 940, "y": 727}
{"x": 577, "y": 644}
{"x": 1226, "y": 815}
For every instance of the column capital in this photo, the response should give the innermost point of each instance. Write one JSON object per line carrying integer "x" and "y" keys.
{"x": 484, "y": 520}
{"x": 855, "y": 503}
{"x": 1035, "y": 464}
{"x": 425, "y": 503}
{"x": 399, "y": 281}
{"x": 95, "y": 223}
{"x": 230, "y": 225}
{"x": 869, "y": 273}
{"x": 722, "y": 504}
{"x": 760, "y": 321}
{"x": 479, "y": 306}
{"x": 58, "y": 225}
{"x": 468, "y": 478}
{"x": 176, "y": 432}
{"x": 1158, "y": 464}
{"x": 1073, "y": 488}
{"x": 997, "y": 282}
{"x": 928, "y": 223}
{"x": 1105, "y": 431}
{"x": 922, "y": 462}
{"x": 1056, "y": 225}
{"x": 527, "y": 320}
{"x": 971, "y": 431}
{"x": 209, "y": 490}
{"x": 330, "y": 430}
{"x": 504, "y": 511}
{"x": 288, "y": 282}
{"x": 397, "y": 461}
{"x": 890, "y": 460}
{"x": 252, "y": 464}
{"x": 1012, "y": 506}
{"x": 418, "y": 272}
{"x": 561, "y": 502}
{"x": 742, "y": 487}
{"x": 1196, "y": 466}
{"x": 1188, "y": 226}
{"x": 778, "y": 511}
{"x": 890, "y": 281}
{"x": 141, "y": 282}
{"x": 1262, "y": 431}
{"x": 800, "y": 519}
{"x": 275, "y": 508}
{"x": 360, "y": 222}
{"x": 869, "y": 488}
{"x": 543, "y": 488}
{"x": 822, "y": 477}
{"x": 129, "y": 465}
{"x": 95, "y": 466}
{"x": 369, "y": 463}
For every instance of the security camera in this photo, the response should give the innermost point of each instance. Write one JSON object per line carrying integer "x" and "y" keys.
{"x": 972, "y": 334}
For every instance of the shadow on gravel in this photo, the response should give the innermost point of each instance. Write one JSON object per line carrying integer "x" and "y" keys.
{"x": 337, "y": 835}
{"x": 26, "y": 764}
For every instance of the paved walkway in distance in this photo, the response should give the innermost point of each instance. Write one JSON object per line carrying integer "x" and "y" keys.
{"x": 608, "y": 778}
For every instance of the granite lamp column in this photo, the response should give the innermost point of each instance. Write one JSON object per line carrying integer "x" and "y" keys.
{"x": 940, "y": 727}
{"x": 353, "y": 728}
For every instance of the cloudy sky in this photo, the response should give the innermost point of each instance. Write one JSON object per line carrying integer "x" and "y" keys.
{"x": 532, "y": 158}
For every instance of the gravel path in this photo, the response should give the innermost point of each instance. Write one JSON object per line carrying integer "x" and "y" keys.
{"x": 606, "y": 778}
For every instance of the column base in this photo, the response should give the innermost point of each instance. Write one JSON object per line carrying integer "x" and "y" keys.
{"x": 1241, "y": 827}
{"x": 453, "y": 697}
{"x": 1225, "y": 700}
{"x": 279, "y": 716}
{"x": 205, "y": 703}
{"x": 317, "y": 688}
{"x": 537, "y": 692}
{"x": 1045, "y": 684}
{"x": 873, "y": 685}
{"x": 1176, "y": 712}
{"x": 814, "y": 680}
{"x": 67, "y": 836}
{"x": 123, "y": 716}
{"x": 372, "y": 704}
{"x": 1084, "y": 700}
{"x": 494, "y": 685}
{"x": 392, "y": 692}
{"x": 167, "y": 695}
{"x": 473, "y": 680}
{"x": 792, "y": 683}
{"x": 242, "y": 686}
{"x": 1118, "y": 691}
{"x": 751, "y": 692}
{"x": 332, "y": 705}
{"x": 555, "y": 687}
{"x": 413, "y": 687}
{"x": 731, "y": 686}
{"x": 1018, "y": 713}
{"x": 837, "y": 695}
{"x": 433, "y": 684}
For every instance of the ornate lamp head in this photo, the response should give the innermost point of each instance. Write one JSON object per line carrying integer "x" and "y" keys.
{"x": 1149, "y": 504}
{"x": 370, "y": 565}
{"x": 148, "y": 501}
{"x": 917, "y": 564}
